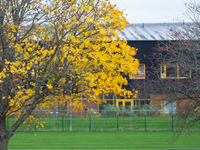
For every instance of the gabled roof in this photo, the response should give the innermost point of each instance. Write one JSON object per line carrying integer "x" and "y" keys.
{"x": 151, "y": 31}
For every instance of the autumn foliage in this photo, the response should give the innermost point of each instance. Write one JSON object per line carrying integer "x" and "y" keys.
{"x": 49, "y": 46}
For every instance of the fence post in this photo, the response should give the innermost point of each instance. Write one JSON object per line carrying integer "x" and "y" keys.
{"x": 92, "y": 120}
{"x": 54, "y": 115}
{"x": 145, "y": 121}
{"x": 62, "y": 122}
{"x": 130, "y": 120}
{"x": 172, "y": 122}
{"x": 35, "y": 117}
{"x": 117, "y": 122}
{"x": 89, "y": 122}
{"x": 85, "y": 111}
{"x": 169, "y": 122}
{"x": 70, "y": 129}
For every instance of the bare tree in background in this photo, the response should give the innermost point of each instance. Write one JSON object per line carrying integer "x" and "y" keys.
{"x": 175, "y": 71}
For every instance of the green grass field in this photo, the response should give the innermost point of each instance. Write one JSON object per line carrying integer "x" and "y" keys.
{"x": 103, "y": 140}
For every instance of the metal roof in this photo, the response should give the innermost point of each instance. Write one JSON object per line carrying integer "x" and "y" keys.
{"x": 151, "y": 31}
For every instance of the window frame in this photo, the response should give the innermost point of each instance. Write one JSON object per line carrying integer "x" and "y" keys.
{"x": 144, "y": 74}
{"x": 163, "y": 70}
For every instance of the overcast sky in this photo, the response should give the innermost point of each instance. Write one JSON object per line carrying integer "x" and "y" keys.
{"x": 153, "y": 11}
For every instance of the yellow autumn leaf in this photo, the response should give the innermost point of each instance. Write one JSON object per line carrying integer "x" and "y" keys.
{"x": 51, "y": 52}
{"x": 45, "y": 9}
{"x": 41, "y": 125}
{"x": 28, "y": 67}
{"x": 44, "y": 52}
{"x": 49, "y": 86}
{"x": 30, "y": 49}
{"x": 87, "y": 8}
{"x": 11, "y": 102}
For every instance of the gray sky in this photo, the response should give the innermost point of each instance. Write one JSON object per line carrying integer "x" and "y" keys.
{"x": 153, "y": 11}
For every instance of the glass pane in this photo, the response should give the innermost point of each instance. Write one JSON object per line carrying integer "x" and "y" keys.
{"x": 127, "y": 103}
{"x": 171, "y": 107}
{"x": 171, "y": 71}
{"x": 109, "y": 102}
{"x": 184, "y": 71}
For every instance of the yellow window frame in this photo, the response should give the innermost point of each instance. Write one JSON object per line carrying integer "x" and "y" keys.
{"x": 164, "y": 76}
{"x": 124, "y": 101}
{"x": 144, "y": 74}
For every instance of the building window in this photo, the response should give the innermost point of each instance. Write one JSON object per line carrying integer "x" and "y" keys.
{"x": 169, "y": 107}
{"x": 174, "y": 71}
{"x": 141, "y": 74}
{"x": 142, "y": 100}
{"x": 109, "y": 102}
{"x": 185, "y": 71}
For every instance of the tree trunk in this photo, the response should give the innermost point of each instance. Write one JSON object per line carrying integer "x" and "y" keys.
{"x": 4, "y": 145}
{"x": 3, "y": 134}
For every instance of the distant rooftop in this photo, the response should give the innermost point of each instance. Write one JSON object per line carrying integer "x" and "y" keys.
{"x": 150, "y": 31}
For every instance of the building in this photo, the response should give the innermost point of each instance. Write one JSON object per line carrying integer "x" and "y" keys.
{"x": 146, "y": 37}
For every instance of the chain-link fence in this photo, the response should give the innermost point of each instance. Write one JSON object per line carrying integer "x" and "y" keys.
{"x": 117, "y": 149}
{"x": 100, "y": 120}
{"x": 102, "y": 149}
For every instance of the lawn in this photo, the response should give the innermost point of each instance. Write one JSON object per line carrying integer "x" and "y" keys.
{"x": 103, "y": 140}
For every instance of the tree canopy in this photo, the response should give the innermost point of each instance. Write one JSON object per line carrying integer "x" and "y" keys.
{"x": 48, "y": 46}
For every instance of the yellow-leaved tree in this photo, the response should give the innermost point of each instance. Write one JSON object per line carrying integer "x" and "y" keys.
{"x": 48, "y": 46}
